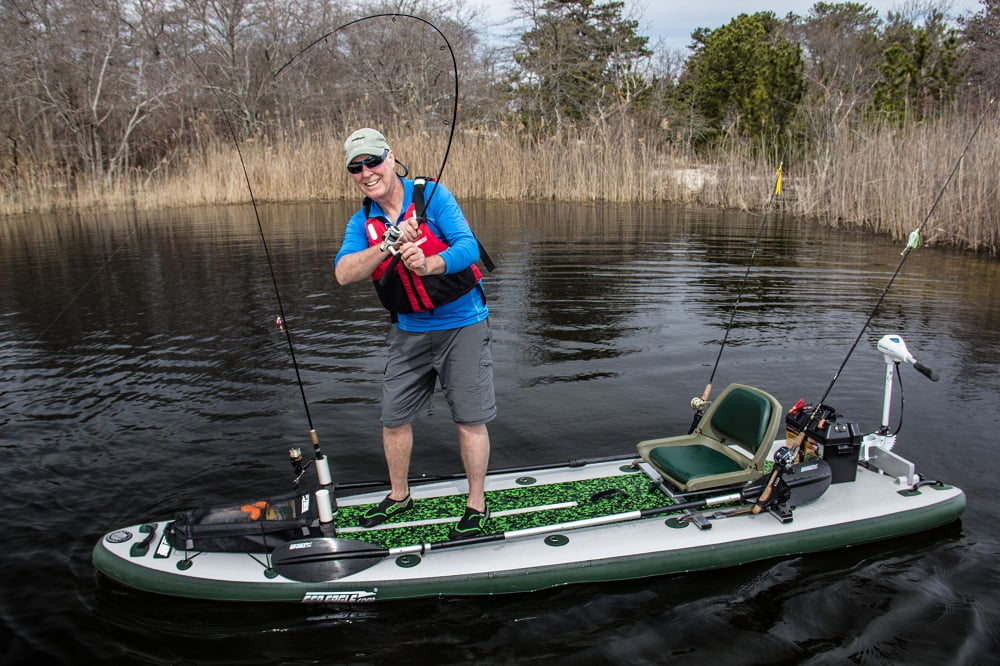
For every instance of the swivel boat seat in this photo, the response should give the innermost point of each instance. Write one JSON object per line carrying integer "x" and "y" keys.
{"x": 729, "y": 445}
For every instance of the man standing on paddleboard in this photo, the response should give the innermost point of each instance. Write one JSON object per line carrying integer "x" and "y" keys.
{"x": 411, "y": 238}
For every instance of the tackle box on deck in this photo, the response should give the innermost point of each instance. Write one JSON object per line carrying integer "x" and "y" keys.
{"x": 836, "y": 441}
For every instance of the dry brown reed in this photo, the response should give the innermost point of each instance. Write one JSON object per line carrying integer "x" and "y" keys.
{"x": 887, "y": 181}
{"x": 879, "y": 179}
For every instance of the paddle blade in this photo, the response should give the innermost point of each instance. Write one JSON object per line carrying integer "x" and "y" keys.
{"x": 807, "y": 481}
{"x": 324, "y": 558}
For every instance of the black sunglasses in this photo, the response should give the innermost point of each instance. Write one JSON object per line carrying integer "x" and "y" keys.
{"x": 371, "y": 162}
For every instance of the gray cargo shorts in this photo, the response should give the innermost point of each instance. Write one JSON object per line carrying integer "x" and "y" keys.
{"x": 460, "y": 358}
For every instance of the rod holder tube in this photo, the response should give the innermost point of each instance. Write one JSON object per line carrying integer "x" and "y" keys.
{"x": 323, "y": 471}
{"x": 324, "y": 505}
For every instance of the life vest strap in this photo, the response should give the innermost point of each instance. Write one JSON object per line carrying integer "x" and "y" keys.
{"x": 420, "y": 211}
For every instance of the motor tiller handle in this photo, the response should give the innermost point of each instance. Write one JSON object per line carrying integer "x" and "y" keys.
{"x": 925, "y": 371}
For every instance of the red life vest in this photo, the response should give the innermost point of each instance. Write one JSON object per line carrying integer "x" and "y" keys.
{"x": 406, "y": 292}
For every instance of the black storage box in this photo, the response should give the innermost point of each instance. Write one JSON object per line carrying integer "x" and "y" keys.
{"x": 840, "y": 450}
{"x": 837, "y": 442}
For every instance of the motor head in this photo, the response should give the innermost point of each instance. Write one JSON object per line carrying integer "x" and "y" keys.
{"x": 894, "y": 350}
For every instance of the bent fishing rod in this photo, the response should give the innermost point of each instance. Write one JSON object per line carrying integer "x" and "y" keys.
{"x": 454, "y": 110}
{"x": 699, "y": 403}
{"x": 454, "y": 65}
{"x": 912, "y": 241}
{"x": 322, "y": 463}
{"x": 323, "y": 469}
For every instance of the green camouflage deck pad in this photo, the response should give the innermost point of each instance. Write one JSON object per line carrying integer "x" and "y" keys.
{"x": 593, "y": 498}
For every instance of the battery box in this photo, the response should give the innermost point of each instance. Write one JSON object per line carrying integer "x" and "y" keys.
{"x": 836, "y": 441}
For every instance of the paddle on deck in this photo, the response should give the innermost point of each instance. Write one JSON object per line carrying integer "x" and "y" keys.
{"x": 330, "y": 558}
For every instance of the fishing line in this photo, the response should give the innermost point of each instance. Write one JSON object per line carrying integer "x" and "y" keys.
{"x": 699, "y": 404}
{"x": 295, "y": 454}
{"x": 270, "y": 265}
{"x": 87, "y": 283}
{"x": 454, "y": 64}
{"x": 912, "y": 242}
{"x": 93, "y": 276}
{"x": 391, "y": 268}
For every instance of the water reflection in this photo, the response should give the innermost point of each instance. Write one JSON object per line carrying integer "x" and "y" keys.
{"x": 141, "y": 371}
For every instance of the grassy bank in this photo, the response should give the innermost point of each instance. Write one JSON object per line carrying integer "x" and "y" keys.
{"x": 883, "y": 180}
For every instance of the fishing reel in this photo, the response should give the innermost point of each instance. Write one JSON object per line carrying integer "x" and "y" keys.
{"x": 298, "y": 465}
{"x": 784, "y": 457}
{"x": 391, "y": 240}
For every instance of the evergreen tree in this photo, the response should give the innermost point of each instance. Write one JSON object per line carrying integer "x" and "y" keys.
{"x": 577, "y": 59}
{"x": 921, "y": 70}
{"x": 745, "y": 77}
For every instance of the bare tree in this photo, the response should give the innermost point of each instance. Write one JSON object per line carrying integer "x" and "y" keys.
{"x": 91, "y": 76}
{"x": 231, "y": 49}
{"x": 982, "y": 33}
{"x": 842, "y": 50}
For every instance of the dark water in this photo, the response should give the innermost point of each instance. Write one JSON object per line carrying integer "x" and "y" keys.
{"x": 142, "y": 372}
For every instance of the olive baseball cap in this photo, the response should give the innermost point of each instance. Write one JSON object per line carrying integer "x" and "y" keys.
{"x": 365, "y": 141}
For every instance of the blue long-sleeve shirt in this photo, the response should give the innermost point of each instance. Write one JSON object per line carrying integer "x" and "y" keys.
{"x": 449, "y": 224}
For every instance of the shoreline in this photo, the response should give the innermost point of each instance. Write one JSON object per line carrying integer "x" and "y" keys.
{"x": 884, "y": 182}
